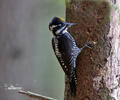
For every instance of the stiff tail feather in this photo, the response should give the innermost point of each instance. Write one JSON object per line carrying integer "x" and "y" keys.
{"x": 73, "y": 84}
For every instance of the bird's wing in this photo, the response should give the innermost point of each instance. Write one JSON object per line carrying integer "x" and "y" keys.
{"x": 66, "y": 59}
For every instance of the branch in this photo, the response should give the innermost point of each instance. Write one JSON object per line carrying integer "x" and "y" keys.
{"x": 28, "y": 93}
{"x": 35, "y": 95}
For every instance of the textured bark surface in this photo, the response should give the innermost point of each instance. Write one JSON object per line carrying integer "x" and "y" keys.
{"x": 98, "y": 71}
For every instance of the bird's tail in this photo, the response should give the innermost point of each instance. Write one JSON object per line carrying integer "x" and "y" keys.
{"x": 73, "y": 84}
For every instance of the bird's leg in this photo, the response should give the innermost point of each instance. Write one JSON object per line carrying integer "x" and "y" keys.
{"x": 86, "y": 45}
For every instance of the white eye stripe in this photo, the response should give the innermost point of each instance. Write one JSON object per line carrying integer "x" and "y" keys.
{"x": 60, "y": 25}
{"x": 53, "y": 26}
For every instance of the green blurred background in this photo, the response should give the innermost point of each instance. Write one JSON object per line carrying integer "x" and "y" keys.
{"x": 26, "y": 56}
{"x": 48, "y": 71}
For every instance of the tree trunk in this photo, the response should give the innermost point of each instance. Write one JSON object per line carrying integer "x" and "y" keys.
{"x": 98, "y": 69}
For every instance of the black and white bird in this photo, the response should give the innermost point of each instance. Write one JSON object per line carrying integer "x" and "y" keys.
{"x": 65, "y": 49}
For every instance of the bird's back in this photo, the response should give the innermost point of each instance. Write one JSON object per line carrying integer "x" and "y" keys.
{"x": 63, "y": 48}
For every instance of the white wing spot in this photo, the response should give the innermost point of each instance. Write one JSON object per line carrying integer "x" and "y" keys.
{"x": 63, "y": 64}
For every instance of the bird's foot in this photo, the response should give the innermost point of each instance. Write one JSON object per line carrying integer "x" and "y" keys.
{"x": 87, "y": 44}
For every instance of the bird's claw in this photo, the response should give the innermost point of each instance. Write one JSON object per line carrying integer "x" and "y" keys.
{"x": 86, "y": 44}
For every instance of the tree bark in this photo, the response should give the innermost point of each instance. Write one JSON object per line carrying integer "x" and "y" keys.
{"x": 98, "y": 70}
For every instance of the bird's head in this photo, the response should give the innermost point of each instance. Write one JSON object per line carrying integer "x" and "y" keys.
{"x": 58, "y": 25}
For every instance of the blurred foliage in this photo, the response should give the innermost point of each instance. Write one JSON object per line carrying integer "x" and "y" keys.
{"x": 62, "y": 2}
{"x": 27, "y": 57}
{"x": 49, "y": 74}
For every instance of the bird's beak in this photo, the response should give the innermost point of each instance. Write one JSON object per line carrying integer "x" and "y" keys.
{"x": 69, "y": 24}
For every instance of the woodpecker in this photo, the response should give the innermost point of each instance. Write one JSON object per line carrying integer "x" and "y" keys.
{"x": 65, "y": 49}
